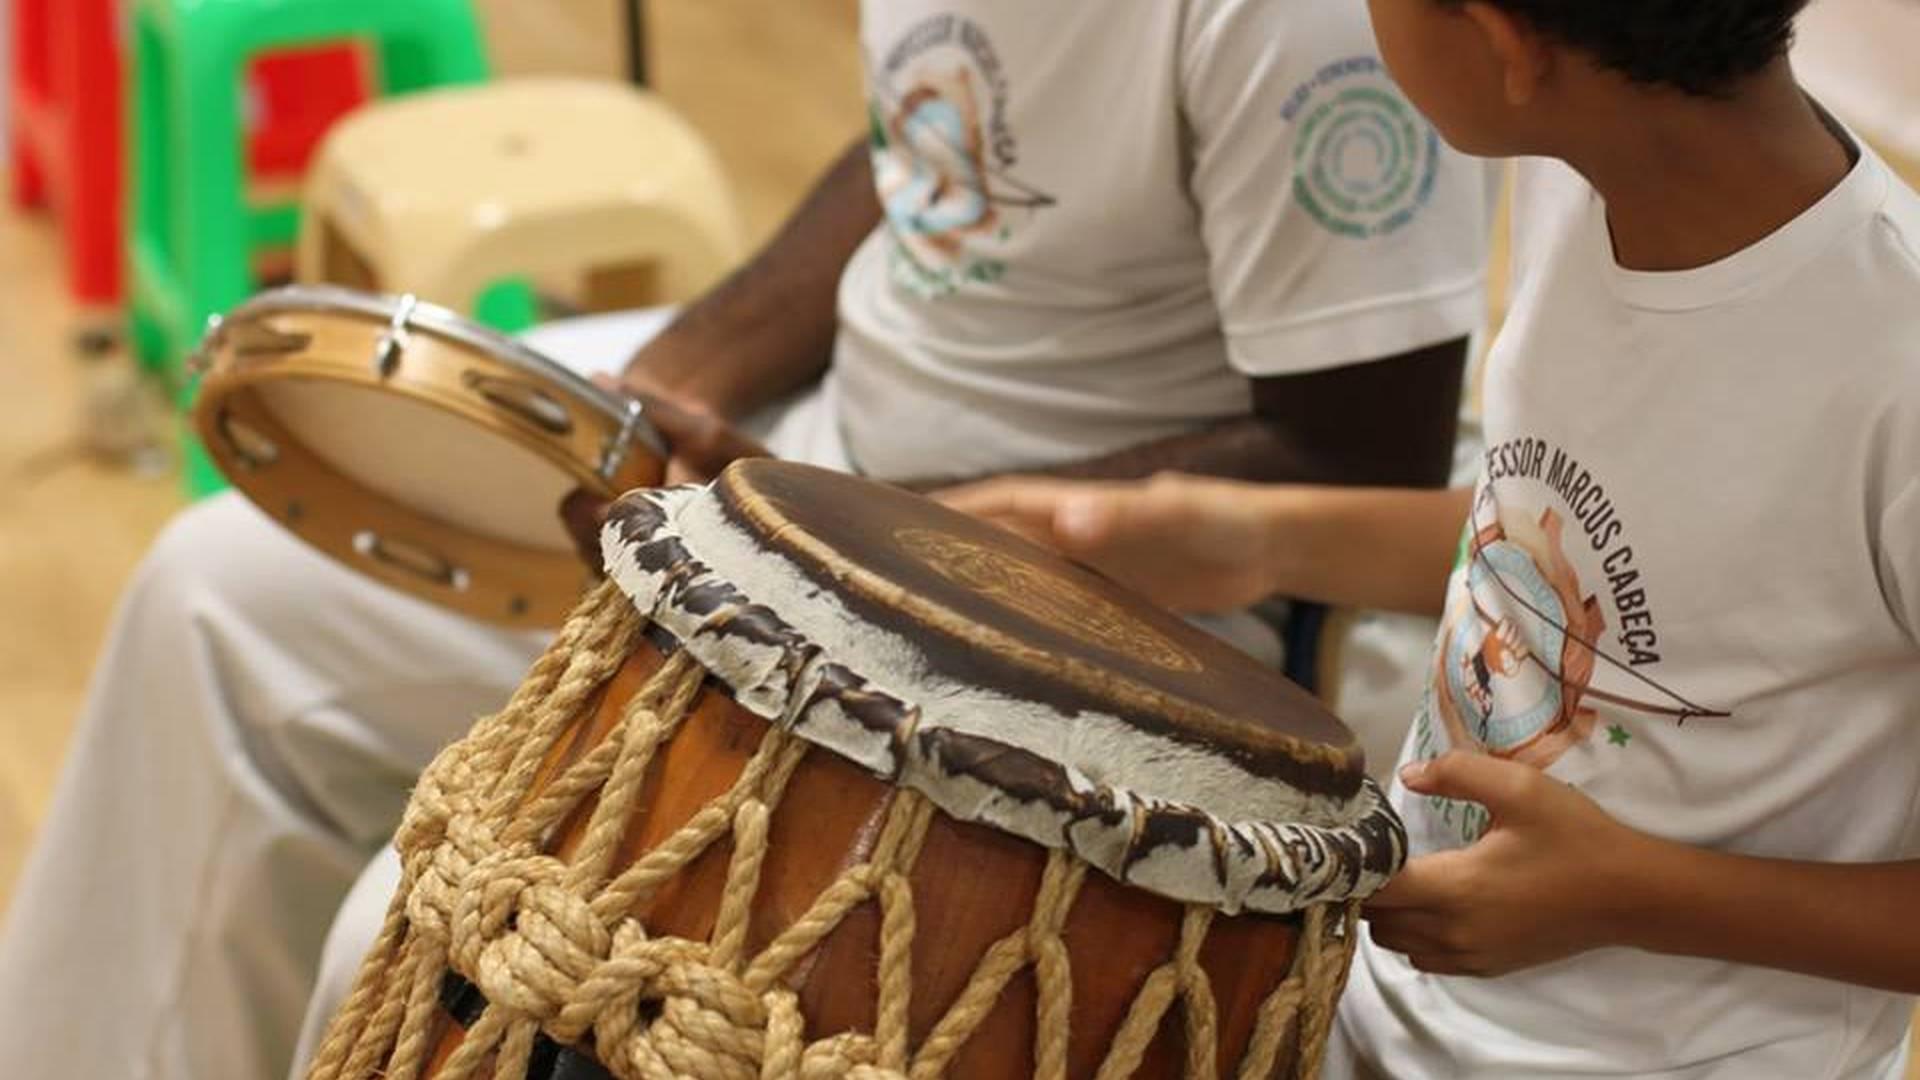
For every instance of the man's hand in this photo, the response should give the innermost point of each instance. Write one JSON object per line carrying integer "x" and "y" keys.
{"x": 699, "y": 446}
{"x": 583, "y": 513}
{"x": 643, "y": 379}
{"x": 1552, "y": 876}
{"x": 1187, "y": 543}
{"x": 700, "y": 443}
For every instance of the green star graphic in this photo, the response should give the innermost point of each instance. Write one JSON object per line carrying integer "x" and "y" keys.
{"x": 1618, "y": 735}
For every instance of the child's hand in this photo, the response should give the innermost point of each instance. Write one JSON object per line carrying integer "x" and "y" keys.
{"x": 1187, "y": 543}
{"x": 1553, "y": 875}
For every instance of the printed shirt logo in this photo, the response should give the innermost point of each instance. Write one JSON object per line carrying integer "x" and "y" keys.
{"x": 1533, "y": 650}
{"x": 1511, "y": 670}
{"x": 1364, "y": 162}
{"x": 943, "y": 157}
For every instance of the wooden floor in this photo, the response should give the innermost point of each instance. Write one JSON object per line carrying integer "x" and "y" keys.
{"x": 774, "y": 85}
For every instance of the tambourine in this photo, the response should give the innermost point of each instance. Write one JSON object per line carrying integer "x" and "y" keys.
{"x": 415, "y": 445}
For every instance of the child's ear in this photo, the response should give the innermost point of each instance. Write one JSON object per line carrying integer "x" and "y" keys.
{"x": 1525, "y": 57}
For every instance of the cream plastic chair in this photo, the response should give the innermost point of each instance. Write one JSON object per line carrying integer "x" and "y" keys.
{"x": 446, "y": 193}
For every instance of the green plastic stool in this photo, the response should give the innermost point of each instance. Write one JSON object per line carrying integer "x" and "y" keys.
{"x": 192, "y": 234}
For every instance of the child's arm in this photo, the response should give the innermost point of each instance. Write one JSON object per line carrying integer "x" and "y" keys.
{"x": 1555, "y": 876}
{"x": 1198, "y": 545}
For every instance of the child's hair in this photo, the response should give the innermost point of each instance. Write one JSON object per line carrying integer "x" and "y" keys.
{"x": 1699, "y": 46}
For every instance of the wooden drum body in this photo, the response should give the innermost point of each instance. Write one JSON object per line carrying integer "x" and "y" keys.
{"x": 933, "y": 802}
{"x": 415, "y": 445}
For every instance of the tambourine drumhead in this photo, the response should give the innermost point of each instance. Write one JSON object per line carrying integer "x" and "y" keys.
{"x": 427, "y": 458}
{"x": 415, "y": 445}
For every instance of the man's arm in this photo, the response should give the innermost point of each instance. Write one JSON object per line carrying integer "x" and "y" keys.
{"x": 1390, "y": 423}
{"x": 768, "y": 329}
{"x": 1338, "y": 496}
{"x": 1386, "y": 423}
{"x": 1555, "y": 876}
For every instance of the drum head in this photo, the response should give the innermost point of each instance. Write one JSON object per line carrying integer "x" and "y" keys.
{"x": 991, "y": 609}
{"x": 427, "y": 458}
{"x": 1008, "y": 684}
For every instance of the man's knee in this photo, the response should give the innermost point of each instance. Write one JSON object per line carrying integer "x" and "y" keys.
{"x": 223, "y": 554}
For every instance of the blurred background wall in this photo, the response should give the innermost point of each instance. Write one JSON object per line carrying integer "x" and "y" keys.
{"x": 575, "y": 37}
{"x": 1862, "y": 57}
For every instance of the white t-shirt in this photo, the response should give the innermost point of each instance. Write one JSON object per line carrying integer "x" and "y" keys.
{"x": 1713, "y": 476}
{"x": 1102, "y": 218}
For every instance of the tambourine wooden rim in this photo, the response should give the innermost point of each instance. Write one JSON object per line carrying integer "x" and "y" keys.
{"x": 396, "y": 344}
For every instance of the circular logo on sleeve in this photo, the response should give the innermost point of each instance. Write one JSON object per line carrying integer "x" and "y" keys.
{"x": 1365, "y": 162}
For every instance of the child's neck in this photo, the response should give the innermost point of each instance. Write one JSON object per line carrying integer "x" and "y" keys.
{"x": 1699, "y": 179}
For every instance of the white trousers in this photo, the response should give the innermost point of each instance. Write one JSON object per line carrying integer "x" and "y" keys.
{"x": 252, "y": 730}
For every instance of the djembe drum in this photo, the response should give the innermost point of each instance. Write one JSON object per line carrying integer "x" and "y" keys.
{"x": 828, "y": 780}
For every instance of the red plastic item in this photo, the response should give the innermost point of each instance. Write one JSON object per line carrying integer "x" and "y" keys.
{"x": 66, "y": 133}
{"x": 68, "y": 146}
{"x": 300, "y": 95}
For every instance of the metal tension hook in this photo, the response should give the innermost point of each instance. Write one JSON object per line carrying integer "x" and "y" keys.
{"x": 615, "y": 455}
{"x": 200, "y": 361}
{"x": 386, "y": 356}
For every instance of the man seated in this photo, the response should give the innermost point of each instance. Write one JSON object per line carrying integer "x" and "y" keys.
{"x": 1207, "y": 236}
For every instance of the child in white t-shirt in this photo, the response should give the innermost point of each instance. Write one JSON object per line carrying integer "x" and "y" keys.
{"x": 1664, "y": 791}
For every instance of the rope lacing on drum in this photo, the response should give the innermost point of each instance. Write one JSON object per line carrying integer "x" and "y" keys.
{"x": 554, "y": 948}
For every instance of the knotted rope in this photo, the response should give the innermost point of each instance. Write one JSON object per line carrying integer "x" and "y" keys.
{"x": 555, "y": 949}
